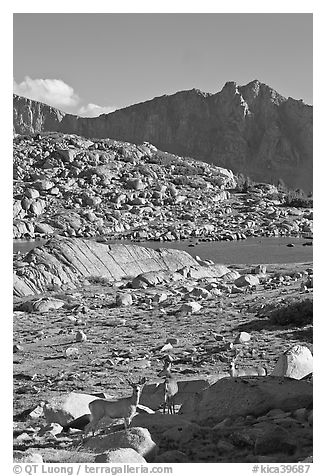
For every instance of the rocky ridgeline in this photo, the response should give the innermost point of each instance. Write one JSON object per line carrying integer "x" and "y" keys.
{"x": 250, "y": 129}
{"x": 75, "y": 187}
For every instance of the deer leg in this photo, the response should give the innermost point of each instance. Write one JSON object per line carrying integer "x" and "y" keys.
{"x": 169, "y": 405}
{"x": 88, "y": 428}
{"x": 94, "y": 424}
{"x": 127, "y": 422}
{"x": 85, "y": 432}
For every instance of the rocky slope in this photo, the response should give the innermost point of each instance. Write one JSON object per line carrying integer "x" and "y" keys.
{"x": 71, "y": 186}
{"x": 249, "y": 129}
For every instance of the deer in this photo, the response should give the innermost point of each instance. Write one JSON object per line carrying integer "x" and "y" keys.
{"x": 170, "y": 387}
{"x": 260, "y": 371}
{"x": 113, "y": 409}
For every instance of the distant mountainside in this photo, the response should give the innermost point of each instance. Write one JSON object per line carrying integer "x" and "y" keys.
{"x": 250, "y": 129}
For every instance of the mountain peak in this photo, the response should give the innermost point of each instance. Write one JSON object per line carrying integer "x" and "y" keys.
{"x": 230, "y": 86}
{"x": 250, "y": 129}
{"x": 256, "y": 88}
{"x": 201, "y": 93}
{"x": 254, "y": 85}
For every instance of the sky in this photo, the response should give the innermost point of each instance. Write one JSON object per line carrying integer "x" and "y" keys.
{"x": 93, "y": 63}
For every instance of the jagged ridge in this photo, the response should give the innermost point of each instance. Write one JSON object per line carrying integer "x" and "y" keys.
{"x": 251, "y": 129}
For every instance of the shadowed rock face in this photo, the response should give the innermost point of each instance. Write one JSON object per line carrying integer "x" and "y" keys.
{"x": 247, "y": 395}
{"x": 249, "y": 129}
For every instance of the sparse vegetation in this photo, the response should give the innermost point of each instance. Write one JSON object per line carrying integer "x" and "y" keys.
{"x": 99, "y": 280}
{"x": 181, "y": 180}
{"x": 297, "y": 198}
{"x": 243, "y": 183}
{"x": 162, "y": 158}
{"x": 291, "y": 198}
{"x": 297, "y": 311}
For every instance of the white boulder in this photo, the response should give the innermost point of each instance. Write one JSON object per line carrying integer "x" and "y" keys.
{"x": 296, "y": 362}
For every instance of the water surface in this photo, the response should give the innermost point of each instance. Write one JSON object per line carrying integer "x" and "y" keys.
{"x": 250, "y": 251}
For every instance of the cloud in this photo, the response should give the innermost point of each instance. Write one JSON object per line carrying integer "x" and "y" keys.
{"x": 53, "y": 92}
{"x": 93, "y": 110}
{"x": 59, "y": 94}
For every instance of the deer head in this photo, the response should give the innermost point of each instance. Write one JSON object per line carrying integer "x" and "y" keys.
{"x": 137, "y": 386}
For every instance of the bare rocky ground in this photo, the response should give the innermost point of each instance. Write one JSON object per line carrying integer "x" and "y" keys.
{"x": 127, "y": 340}
{"x": 81, "y": 327}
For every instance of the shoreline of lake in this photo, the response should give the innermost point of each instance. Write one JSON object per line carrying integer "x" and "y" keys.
{"x": 265, "y": 250}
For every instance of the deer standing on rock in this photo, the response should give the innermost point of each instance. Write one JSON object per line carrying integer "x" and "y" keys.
{"x": 113, "y": 409}
{"x": 170, "y": 387}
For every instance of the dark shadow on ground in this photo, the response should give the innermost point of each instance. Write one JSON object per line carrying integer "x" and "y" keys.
{"x": 256, "y": 325}
{"x": 302, "y": 335}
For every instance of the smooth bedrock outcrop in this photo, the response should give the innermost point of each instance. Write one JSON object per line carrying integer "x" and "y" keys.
{"x": 67, "y": 262}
